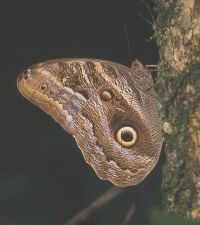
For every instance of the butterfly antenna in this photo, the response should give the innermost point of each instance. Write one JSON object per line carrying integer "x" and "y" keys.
{"x": 128, "y": 43}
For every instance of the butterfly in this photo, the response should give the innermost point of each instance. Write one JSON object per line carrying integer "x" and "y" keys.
{"x": 110, "y": 109}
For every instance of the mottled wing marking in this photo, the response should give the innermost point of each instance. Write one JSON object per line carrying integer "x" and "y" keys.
{"x": 142, "y": 79}
{"x": 73, "y": 99}
{"x": 81, "y": 78}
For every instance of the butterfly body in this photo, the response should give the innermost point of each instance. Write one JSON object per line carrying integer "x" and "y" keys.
{"x": 110, "y": 109}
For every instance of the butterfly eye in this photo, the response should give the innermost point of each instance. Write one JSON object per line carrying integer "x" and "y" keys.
{"x": 126, "y": 136}
{"x": 106, "y": 95}
{"x": 43, "y": 87}
{"x": 26, "y": 74}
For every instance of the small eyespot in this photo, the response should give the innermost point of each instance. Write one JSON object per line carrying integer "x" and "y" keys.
{"x": 43, "y": 87}
{"x": 106, "y": 95}
{"x": 126, "y": 136}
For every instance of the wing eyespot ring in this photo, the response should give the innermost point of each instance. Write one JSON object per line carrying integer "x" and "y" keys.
{"x": 126, "y": 136}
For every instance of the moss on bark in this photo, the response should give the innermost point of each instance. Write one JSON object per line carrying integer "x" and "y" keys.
{"x": 177, "y": 33}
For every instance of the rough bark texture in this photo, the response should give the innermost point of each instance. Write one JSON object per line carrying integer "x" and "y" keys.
{"x": 177, "y": 32}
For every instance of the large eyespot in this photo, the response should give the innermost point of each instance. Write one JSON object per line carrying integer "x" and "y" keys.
{"x": 106, "y": 95}
{"x": 43, "y": 87}
{"x": 126, "y": 136}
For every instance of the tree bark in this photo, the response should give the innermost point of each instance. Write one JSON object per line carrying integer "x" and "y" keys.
{"x": 177, "y": 33}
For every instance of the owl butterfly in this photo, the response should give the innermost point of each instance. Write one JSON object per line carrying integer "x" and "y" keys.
{"x": 110, "y": 109}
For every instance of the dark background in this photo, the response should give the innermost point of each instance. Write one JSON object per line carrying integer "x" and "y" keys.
{"x": 43, "y": 177}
